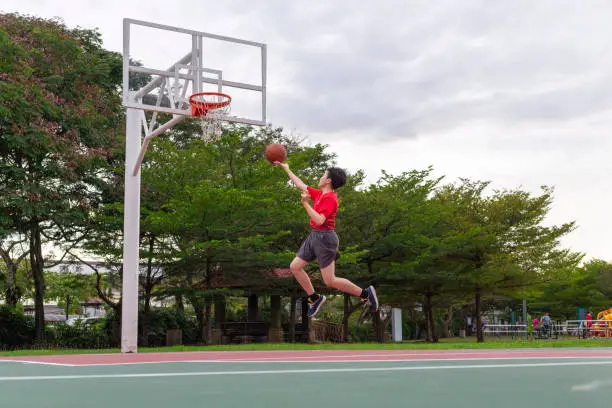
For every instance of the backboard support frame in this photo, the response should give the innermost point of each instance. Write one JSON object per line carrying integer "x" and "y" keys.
{"x": 192, "y": 60}
{"x": 173, "y": 86}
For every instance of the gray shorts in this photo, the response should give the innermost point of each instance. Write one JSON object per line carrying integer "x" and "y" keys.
{"x": 322, "y": 246}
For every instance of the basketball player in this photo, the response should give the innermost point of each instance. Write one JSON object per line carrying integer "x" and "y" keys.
{"x": 322, "y": 243}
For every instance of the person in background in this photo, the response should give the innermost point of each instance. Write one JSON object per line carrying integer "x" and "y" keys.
{"x": 546, "y": 326}
{"x": 546, "y": 320}
{"x": 589, "y": 323}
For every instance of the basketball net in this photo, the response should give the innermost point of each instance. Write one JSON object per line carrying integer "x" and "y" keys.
{"x": 211, "y": 124}
{"x": 211, "y": 109}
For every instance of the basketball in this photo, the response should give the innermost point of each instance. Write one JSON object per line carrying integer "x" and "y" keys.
{"x": 276, "y": 153}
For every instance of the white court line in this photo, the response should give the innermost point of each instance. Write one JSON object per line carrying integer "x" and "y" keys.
{"x": 345, "y": 361}
{"x": 592, "y": 385}
{"x": 313, "y": 371}
{"x": 38, "y": 363}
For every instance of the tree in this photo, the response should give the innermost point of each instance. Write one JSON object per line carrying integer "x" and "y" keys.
{"x": 385, "y": 221}
{"x": 501, "y": 245}
{"x": 59, "y": 118}
{"x": 586, "y": 286}
{"x": 69, "y": 289}
{"x": 230, "y": 214}
{"x": 13, "y": 253}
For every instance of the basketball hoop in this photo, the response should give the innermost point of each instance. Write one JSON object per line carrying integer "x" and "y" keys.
{"x": 211, "y": 108}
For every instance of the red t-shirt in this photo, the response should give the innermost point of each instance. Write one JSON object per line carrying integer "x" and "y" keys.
{"x": 326, "y": 204}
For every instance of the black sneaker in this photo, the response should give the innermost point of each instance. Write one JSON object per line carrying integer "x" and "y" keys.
{"x": 371, "y": 300}
{"x": 313, "y": 307}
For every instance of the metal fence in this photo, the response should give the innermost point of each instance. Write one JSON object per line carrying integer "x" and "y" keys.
{"x": 588, "y": 328}
{"x": 581, "y": 329}
{"x": 505, "y": 330}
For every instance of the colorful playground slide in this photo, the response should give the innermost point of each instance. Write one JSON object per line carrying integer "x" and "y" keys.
{"x": 604, "y": 328}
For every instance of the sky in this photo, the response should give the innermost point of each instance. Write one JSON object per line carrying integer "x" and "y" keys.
{"x": 516, "y": 93}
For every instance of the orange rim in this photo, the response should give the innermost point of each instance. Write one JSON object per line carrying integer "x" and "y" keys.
{"x": 199, "y": 108}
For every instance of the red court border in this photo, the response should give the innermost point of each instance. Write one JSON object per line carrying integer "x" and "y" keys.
{"x": 311, "y": 356}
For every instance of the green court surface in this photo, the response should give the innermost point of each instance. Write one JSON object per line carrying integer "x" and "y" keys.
{"x": 458, "y": 383}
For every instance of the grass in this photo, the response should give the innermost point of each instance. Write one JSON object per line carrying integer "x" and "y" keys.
{"x": 444, "y": 344}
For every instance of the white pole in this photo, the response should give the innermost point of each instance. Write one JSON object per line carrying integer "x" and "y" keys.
{"x": 131, "y": 231}
{"x": 396, "y": 324}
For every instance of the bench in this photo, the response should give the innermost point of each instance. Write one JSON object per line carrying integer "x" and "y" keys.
{"x": 244, "y": 332}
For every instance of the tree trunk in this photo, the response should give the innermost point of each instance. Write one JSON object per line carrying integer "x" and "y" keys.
{"x": 428, "y": 325}
{"x": 345, "y": 318}
{"x": 479, "y": 333}
{"x": 115, "y": 306}
{"x": 448, "y": 322}
{"x": 178, "y": 301}
{"x": 305, "y": 319}
{"x": 434, "y": 336}
{"x": 429, "y": 319}
{"x": 67, "y": 306}
{"x": 145, "y": 316}
{"x": 292, "y": 318}
{"x": 199, "y": 312}
{"x": 37, "y": 265}
{"x": 379, "y": 328}
{"x": 208, "y": 317}
{"x": 148, "y": 288}
{"x": 11, "y": 294}
{"x": 349, "y": 309}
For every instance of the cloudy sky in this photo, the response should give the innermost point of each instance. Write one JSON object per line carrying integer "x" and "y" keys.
{"x": 518, "y": 93}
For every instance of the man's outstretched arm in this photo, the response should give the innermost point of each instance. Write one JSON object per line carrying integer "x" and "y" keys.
{"x": 295, "y": 179}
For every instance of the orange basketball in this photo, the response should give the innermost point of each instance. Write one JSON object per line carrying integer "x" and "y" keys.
{"x": 276, "y": 153}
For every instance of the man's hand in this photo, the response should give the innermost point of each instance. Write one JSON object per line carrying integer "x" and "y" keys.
{"x": 318, "y": 219}
{"x": 285, "y": 166}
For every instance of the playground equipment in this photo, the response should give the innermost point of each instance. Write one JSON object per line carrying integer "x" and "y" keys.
{"x": 603, "y": 325}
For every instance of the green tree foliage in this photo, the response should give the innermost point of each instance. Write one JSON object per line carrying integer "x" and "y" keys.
{"x": 502, "y": 244}
{"x": 59, "y": 120}
{"x": 232, "y": 217}
{"x": 587, "y": 286}
{"x": 69, "y": 289}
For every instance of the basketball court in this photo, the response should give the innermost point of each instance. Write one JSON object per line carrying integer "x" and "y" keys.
{"x": 195, "y": 74}
{"x": 306, "y": 378}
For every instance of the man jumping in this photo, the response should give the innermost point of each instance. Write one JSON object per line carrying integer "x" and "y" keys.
{"x": 322, "y": 243}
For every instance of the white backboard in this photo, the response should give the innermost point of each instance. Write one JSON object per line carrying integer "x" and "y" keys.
{"x": 177, "y": 62}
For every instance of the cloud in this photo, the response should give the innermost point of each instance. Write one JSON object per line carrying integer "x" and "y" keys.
{"x": 513, "y": 92}
{"x": 404, "y": 69}
{"x": 409, "y": 70}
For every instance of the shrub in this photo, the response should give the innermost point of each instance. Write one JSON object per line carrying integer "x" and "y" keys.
{"x": 163, "y": 319}
{"x": 89, "y": 334}
{"x": 360, "y": 333}
{"x": 16, "y": 329}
